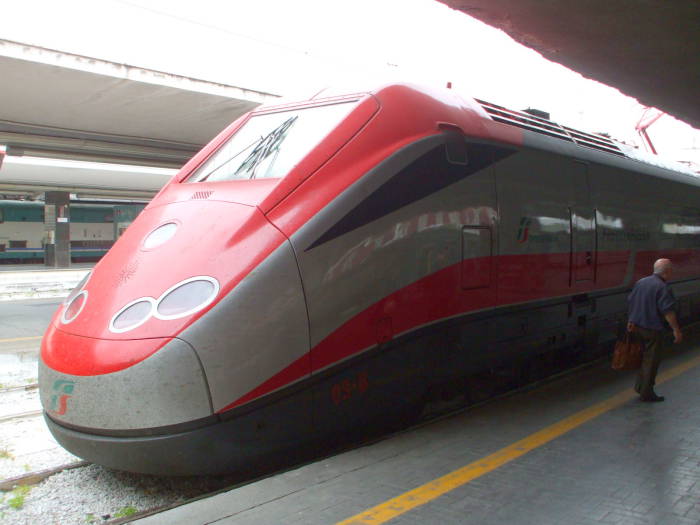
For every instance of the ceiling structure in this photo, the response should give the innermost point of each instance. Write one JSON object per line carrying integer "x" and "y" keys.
{"x": 32, "y": 176}
{"x": 63, "y": 115}
{"x": 66, "y": 105}
{"x": 647, "y": 49}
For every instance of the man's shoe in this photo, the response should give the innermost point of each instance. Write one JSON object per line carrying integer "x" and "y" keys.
{"x": 653, "y": 398}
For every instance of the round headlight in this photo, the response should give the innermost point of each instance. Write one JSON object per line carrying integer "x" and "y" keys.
{"x": 75, "y": 291}
{"x": 187, "y": 297}
{"x": 132, "y": 315}
{"x": 74, "y": 307}
{"x": 160, "y": 235}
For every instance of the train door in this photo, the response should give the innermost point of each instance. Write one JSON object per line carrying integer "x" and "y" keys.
{"x": 583, "y": 226}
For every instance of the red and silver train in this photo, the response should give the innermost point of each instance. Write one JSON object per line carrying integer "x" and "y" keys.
{"x": 321, "y": 266}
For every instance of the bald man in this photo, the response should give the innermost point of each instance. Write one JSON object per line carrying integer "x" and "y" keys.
{"x": 650, "y": 302}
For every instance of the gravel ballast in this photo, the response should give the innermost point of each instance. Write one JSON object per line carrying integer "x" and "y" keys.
{"x": 95, "y": 494}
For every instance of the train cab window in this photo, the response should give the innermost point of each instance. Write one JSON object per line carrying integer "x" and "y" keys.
{"x": 269, "y": 145}
{"x": 476, "y": 257}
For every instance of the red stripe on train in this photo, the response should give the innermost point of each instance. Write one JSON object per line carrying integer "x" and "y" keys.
{"x": 521, "y": 278}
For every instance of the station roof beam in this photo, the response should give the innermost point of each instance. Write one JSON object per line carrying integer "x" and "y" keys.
{"x": 68, "y": 106}
{"x": 648, "y": 50}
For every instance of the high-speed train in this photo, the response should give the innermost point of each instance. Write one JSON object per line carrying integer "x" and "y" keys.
{"x": 320, "y": 267}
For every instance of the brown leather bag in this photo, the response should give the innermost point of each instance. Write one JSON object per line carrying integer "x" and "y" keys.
{"x": 628, "y": 353}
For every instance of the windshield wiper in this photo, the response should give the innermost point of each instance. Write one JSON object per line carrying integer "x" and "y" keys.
{"x": 267, "y": 145}
{"x": 262, "y": 147}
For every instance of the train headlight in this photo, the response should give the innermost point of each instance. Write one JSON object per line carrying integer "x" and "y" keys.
{"x": 132, "y": 315}
{"x": 160, "y": 235}
{"x": 187, "y": 297}
{"x": 74, "y": 303}
{"x": 74, "y": 307}
{"x": 75, "y": 291}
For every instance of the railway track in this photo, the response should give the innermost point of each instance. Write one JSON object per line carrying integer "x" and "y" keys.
{"x": 26, "y": 388}
{"x": 7, "y": 392}
{"x": 20, "y": 415}
{"x": 32, "y": 478}
{"x": 29, "y": 387}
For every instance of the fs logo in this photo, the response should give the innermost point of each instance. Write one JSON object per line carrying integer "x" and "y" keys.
{"x": 524, "y": 231}
{"x": 59, "y": 400}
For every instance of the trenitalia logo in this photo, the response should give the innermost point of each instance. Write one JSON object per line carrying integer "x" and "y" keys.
{"x": 524, "y": 230}
{"x": 59, "y": 401}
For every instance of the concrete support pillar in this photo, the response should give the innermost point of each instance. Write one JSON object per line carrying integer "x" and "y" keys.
{"x": 57, "y": 229}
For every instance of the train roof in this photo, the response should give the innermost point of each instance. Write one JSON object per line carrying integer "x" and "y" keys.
{"x": 533, "y": 123}
{"x": 537, "y": 124}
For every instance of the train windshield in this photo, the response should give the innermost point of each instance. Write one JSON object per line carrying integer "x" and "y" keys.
{"x": 271, "y": 144}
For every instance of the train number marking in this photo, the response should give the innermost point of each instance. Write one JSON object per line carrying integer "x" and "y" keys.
{"x": 347, "y": 388}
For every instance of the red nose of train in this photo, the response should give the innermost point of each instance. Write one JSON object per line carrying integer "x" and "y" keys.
{"x": 167, "y": 270}
{"x": 111, "y": 359}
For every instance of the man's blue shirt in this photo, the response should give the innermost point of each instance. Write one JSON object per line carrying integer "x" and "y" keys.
{"x": 650, "y": 299}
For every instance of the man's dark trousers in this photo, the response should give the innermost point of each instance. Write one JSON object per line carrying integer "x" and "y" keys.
{"x": 653, "y": 347}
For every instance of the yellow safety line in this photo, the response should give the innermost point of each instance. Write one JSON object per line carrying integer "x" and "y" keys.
{"x": 15, "y": 339}
{"x": 419, "y": 496}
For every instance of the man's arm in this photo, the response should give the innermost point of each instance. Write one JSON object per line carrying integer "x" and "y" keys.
{"x": 673, "y": 323}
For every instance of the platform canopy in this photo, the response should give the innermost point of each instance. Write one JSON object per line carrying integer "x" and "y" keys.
{"x": 649, "y": 50}
{"x": 82, "y": 110}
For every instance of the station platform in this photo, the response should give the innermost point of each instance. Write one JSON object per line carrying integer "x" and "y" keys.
{"x": 35, "y": 281}
{"x": 577, "y": 450}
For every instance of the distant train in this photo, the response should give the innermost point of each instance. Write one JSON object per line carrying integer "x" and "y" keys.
{"x": 324, "y": 267}
{"x": 92, "y": 229}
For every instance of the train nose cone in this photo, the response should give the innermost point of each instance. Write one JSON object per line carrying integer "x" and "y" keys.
{"x": 173, "y": 264}
{"x": 166, "y": 388}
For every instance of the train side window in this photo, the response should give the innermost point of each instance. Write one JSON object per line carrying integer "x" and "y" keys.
{"x": 476, "y": 257}
{"x": 2, "y": 215}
